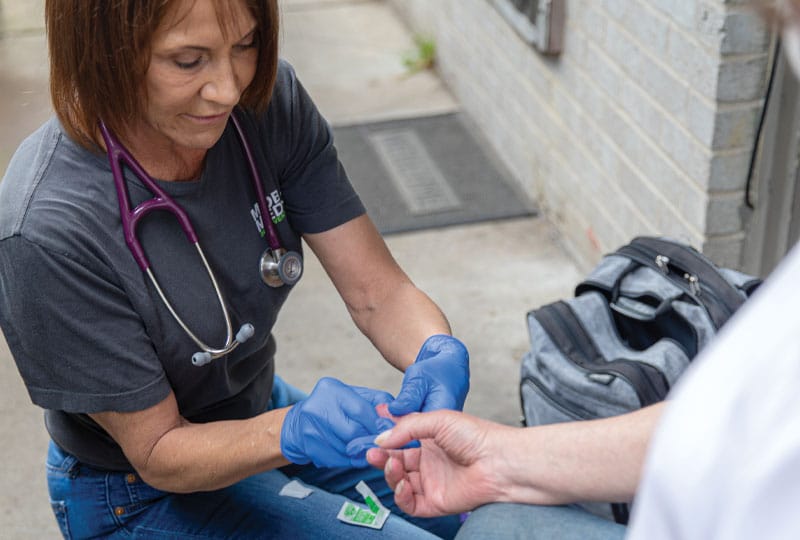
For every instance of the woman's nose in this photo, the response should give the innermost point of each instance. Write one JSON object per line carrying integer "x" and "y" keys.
{"x": 223, "y": 85}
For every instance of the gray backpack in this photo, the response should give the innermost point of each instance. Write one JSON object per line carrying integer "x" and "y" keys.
{"x": 632, "y": 328}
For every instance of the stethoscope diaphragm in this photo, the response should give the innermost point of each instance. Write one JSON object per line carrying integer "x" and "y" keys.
{"x": 280, "y": 267}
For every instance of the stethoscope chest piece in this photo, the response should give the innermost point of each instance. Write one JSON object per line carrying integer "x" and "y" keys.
{"x": 280, "y": 267}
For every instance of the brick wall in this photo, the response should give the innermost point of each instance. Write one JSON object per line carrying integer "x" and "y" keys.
{"x": 644, "y": 124}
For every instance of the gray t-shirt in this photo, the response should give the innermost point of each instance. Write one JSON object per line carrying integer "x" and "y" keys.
{"x": 84, "y": 324}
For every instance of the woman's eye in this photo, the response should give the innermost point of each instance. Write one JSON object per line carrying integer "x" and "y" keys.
{"x": 250, "y": 43}
{"x": 185, "y": 63}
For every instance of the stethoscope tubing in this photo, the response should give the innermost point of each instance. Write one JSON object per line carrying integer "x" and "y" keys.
{"x": 230, "y": 343}
{"x": 271, "y": 234}
{"x": 117, "y": 154}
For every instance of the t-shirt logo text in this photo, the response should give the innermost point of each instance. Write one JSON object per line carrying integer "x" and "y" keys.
{"x": 276, "y": 211}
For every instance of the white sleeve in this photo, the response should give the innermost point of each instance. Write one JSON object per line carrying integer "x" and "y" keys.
{"x": 725, "y": 460}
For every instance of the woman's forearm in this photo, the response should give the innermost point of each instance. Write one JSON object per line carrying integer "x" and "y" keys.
{"x": 386, "y": 306}
{"x": 183, "y": 457}
{"x": 400, "y": 322}
{"x": 205, "y": 457}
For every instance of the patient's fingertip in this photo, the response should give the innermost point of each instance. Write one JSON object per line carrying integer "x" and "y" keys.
{"x": 382, "y": 437}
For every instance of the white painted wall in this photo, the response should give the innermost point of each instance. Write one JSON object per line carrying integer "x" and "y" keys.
{"x": 645, "y": 124}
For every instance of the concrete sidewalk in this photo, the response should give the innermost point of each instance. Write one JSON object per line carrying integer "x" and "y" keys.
{"x": 485, "y": 276}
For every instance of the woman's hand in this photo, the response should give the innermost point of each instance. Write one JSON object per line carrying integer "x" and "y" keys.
{"x": 329, "y": 427}
{"x": 438, "y": 378}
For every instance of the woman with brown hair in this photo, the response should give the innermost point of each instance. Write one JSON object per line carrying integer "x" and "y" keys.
{"x": 177, "y": 126}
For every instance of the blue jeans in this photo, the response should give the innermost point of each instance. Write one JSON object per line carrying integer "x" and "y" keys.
{"x": 90, "y": 502}
{"x": 507, "y": 521}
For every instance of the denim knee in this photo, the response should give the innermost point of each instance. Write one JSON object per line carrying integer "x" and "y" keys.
{"x": 505, "y": 521}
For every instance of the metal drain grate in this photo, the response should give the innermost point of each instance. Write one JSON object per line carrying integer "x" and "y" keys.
{"x": 419, "y": 181}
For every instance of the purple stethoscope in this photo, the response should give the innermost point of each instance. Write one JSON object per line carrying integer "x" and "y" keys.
{"x": 277, "y": 266}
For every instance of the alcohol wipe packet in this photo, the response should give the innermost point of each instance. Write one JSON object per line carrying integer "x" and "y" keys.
{"x": 374, "y": 516}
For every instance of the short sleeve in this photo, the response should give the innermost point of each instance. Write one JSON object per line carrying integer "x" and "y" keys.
{"x": 77, "y": 341}
{"x": 314, "y": 185}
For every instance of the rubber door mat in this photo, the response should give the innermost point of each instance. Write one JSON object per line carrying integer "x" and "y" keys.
{"x": 427, "y": 172}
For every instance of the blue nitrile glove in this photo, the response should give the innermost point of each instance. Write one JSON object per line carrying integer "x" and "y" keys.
{"x": 438, "y": 378}
{"x": 318, "y": 428}
{"x": 357, "y": 448}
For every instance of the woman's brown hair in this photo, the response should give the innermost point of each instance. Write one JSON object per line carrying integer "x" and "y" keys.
{"x": 100, "y": 52}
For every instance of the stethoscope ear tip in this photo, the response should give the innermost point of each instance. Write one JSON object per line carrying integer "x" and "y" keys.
{"x": 245, "y": 332}
{"x": 200, "y": 359}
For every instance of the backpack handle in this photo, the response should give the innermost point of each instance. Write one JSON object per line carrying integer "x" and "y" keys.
{"x": 631, "y": 308}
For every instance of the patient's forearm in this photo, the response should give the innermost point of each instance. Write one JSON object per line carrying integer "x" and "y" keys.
{"x": 580, "y": 461}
